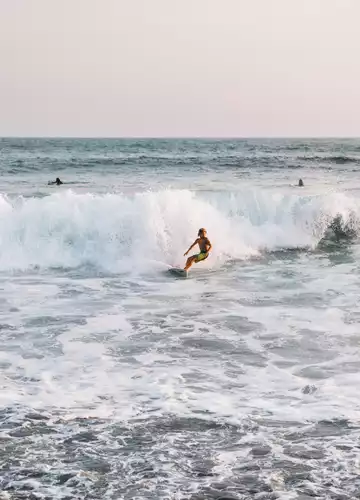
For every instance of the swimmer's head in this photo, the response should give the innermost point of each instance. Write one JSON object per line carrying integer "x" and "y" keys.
{"x": 202, "y": 232}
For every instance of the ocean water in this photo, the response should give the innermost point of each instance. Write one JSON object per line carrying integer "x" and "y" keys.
{"x": 121, "y": 381}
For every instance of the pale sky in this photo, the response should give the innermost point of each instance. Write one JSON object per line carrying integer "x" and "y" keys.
{"x": 215, "y": 68}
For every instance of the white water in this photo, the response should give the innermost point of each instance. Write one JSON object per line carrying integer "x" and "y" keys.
{"x": 178, "y": 382}
{"x": 117, "y": 232}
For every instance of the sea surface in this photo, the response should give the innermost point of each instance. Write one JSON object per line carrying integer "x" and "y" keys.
{"x": 121, "y": 381}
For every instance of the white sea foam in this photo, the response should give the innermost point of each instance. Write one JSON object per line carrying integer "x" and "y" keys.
{"x": 118, "y": 232}
{"x": 242, "y": 379}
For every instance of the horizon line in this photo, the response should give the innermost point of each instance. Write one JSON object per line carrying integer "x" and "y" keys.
{"x": 213, "y": 138}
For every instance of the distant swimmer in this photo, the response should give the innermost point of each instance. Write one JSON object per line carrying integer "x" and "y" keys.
{"x": 57, "y": 181}
{"x": 205, "y": 247}
{"x": 301, "y": 184}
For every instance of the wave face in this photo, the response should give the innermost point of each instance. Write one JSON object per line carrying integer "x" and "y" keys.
{"x": 337, "y": 159}
{"x": 118, "y": 232}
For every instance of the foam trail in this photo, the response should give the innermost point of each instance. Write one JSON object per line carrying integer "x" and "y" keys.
{"x": 118, "y": 232}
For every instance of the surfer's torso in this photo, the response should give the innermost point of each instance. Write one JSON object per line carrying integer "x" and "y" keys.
{"x": 204, "y": 244}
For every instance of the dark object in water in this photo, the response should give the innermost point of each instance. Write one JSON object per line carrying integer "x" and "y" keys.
{"x": 301, "y": 184}
{"x": 57, "y": 182}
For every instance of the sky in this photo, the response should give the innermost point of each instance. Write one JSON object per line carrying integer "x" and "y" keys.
{"x": 179, "y": 68}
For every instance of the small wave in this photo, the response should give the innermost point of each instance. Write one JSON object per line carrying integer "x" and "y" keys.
{"x": 339, "y": 160}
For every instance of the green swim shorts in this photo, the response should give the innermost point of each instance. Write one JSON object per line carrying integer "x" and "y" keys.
{"x": 201, "y": 256}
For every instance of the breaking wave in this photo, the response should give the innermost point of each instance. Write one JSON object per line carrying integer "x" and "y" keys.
{"x": 118, "y": 232}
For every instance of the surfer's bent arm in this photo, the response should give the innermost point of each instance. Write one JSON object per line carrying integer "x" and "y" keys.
{"x": 209, "y": 245}
{"x": 192, "y": 246}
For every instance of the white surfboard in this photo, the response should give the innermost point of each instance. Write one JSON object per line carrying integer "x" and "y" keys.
{"x": 178, "y": 272}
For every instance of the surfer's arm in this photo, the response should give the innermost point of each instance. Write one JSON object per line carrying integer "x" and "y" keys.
{"x": 192, "y": 246}
{"x": 209, "y": 245}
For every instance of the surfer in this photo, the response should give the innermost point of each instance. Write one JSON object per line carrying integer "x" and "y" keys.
{"x": 205, "y": 247}
{"x": 57, "y": 181}
{"x": 301, "y": 184}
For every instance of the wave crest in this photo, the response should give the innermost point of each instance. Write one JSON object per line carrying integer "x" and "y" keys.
{"x": 116, "y": 232}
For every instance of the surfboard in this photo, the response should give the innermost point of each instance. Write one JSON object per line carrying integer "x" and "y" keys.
{"x": 178, "y": 272}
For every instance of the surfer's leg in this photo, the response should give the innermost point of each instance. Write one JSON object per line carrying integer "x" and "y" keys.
{"x": 195, "y": 258}
{"x": 190, "y": 262}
